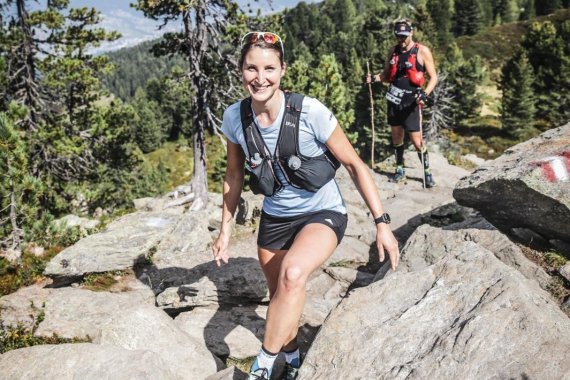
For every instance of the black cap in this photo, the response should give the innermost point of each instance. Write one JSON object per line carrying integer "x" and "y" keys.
{"x": 402, "y": 29}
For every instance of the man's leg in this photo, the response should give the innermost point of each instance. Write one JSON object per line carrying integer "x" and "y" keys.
{"x": 398, "y": 144}
{"x": 417, "y": 139}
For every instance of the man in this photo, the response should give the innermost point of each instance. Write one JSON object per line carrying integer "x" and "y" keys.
{"x": 405, "y": 69}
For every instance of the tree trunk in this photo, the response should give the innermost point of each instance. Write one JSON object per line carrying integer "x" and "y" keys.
{"x": 197, "y": 48}
{"x": 199, "y": 181}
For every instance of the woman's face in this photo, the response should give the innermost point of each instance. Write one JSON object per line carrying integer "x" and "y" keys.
{"x": 261, "y": 73}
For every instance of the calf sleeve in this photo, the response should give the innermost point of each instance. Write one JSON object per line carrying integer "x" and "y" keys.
{"x": 424, "y": 152}
{"x": 399, "y": 151}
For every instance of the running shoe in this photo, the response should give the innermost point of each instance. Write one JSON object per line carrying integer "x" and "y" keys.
{"x": 259, "y": 374}
{"x": 290, "y": 372}
{"x": 429, "y": 180}
{"x": 399, "y": 176}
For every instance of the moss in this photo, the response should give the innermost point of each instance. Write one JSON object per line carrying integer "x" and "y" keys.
{"x": 19, "y": 336}
{"x": 242, "y": 364}
{"x": 99, "y": 282}
{"x": 25, "y": 273}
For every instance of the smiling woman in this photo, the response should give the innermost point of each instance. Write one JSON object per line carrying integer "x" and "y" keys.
{"x": 292, "y": 145}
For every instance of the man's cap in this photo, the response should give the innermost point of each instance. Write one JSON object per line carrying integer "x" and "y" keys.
{"x": 402, "y": 29}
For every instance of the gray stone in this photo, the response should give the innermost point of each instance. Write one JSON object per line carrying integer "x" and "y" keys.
{"x": 84, "y": 361}
{"x": 565, "y": 271}
{"x": 126, "y": 241}
{"x": 236, "y": 332}
{"x": 462, "y": 315}
{"x": 526, "y": 187}
{"x": 115, "y": 319}
{"x": 70, "y": 221}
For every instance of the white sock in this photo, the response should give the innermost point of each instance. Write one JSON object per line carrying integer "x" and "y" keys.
{"x": 265, "y": 360}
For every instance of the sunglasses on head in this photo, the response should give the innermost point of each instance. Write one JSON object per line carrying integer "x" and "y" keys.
{"x": 269, "y": 37}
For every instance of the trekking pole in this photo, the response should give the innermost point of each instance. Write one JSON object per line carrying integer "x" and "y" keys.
{"x": 371, "y": 115}
{"x": 422, "y": 146}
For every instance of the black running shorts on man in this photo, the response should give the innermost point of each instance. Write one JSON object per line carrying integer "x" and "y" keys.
{"x": 280, "y": 232}
{"x": 409, "y": 117}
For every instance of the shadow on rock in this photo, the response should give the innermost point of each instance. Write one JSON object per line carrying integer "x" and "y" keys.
{"x": 214, "y": 302}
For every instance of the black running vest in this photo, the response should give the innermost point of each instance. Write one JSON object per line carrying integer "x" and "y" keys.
{"x": 309, "y": 173}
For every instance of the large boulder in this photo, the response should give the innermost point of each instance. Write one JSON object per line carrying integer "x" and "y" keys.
{"x": 84, "y": 361}
{"x": 120, "y": 320}
{"x": 123, "y": 243}
{"x": 459, "y": 314}
{"x": 527, "y": 188}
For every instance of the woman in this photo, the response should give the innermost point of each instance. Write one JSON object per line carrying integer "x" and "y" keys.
{"x": 299, "y": 228}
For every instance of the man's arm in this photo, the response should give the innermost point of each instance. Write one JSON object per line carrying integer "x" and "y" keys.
{"x": 429, "y": 65}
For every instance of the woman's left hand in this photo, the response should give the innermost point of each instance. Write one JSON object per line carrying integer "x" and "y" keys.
{"x": 386, "y": 241}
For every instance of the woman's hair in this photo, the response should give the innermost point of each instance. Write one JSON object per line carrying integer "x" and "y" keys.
{"x": 278, "y": 47}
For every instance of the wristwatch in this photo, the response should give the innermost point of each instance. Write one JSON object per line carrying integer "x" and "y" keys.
{"x": 384, "y": 218}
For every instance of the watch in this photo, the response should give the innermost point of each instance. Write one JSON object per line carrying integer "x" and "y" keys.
{"x": 384, "y": 218}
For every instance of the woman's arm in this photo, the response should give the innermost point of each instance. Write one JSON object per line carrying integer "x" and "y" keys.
{"x": 233, "y": 184}
{"x": 343, "y": 150}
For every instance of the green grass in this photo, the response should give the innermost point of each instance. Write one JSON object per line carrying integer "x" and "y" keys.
{"x": 178, "y": 159}
{"x": 25, "y": 273}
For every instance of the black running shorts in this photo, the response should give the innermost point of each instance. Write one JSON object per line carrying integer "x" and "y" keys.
{"x": 279, "y": 232}
{"x": 409, "y": 117}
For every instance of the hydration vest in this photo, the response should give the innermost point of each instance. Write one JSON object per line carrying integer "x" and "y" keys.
{"x": 309, "y": 173}
{"x": 415, "y": 76}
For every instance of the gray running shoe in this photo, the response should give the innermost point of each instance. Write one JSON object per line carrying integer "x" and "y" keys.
{"x": 259, "y": 374}
{"x": 399, "y": 176}
{"x": 290, "y": 372}
{"x": 429, "y": 180}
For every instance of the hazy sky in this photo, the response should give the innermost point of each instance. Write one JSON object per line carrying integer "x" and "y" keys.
{"x": 135, "y": 28}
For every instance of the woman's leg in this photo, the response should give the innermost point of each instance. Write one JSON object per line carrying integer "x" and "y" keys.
{"x": 312, "y": 247}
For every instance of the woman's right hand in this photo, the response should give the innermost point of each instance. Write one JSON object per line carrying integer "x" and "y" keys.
{"x": 220, "y": 249}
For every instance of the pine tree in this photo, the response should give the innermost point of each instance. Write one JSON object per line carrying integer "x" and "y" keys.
{"x": 464, "y": 76}
{"x": 200, "y": 43}
{"x": 517, "y": 104}
{"x": 528, "y": 10}
{"x": 468, "y": 18}
{"x": 547, "y": 52}
{"x": 440, "y": 11}
{"x": 20, "y": 193}
{"x": 327, "y": 86}
{"x": 544, "y": 7}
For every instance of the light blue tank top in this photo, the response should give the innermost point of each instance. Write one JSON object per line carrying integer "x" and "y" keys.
{"x": 316, "y": 125}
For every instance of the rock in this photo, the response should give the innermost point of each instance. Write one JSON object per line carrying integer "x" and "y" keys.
{"x": 527, "y": 187}
{"x": 12, "y": 255}
{"x": 462, "y": 315}
{"x": 84, "y": 361}
{"x": 432, "y": 241}
{"x": 112, "y": 319}
{"x": 565, "y": 271}
{"x": 35, "y": 249}
{"x": 126, "y": 241}
{"x": 149, "y": 204}
{"x": 70, "y": 221}
{"x": 229, "y": 373}
{"x": 236, "y": 332}
{"x": 473, "y": 160}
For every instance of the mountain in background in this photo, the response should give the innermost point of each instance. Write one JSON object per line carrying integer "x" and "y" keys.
{"x": 135, "y": 28}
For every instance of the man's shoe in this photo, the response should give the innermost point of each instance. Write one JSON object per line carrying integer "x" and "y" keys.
{"x": 290, "y": 372}
{"x": 259, "y": 374}
{"x": 399, "y": 176}
{"x": 429, "y": 180}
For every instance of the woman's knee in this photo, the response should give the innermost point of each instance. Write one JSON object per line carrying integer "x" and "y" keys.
{"x": 293, "y": 278}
